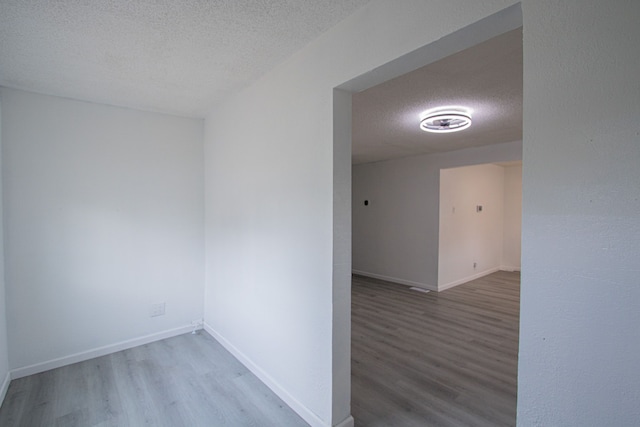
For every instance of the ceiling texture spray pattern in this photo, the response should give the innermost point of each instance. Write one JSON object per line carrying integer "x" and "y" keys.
{"x": 486, "y": 78}
{"x": 184, "y": 57}
{"x": 178, "y": 57}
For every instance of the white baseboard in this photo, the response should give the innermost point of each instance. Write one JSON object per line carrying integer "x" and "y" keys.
{"x": 467, "y": 279}
{"x": 509, "y": 268}
{"x": 347, "y": 422}
{"x": 395, "y": 280}
{"x": 97, "y": 352}
{"x": 300, "y": 409}
{"x": 308, "y": 415}
{"x": 5, "y": 386}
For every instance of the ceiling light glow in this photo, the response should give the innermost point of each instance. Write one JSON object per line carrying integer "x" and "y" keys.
{"x": 445, "y": 119}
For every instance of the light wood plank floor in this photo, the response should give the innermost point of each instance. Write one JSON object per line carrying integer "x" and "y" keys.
{"x": 188, "y": 380}
{"x": 435, "y": 359}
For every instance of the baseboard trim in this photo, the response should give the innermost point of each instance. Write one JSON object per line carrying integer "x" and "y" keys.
{"x": 97, "y": 352}
{"x": 306, "y": 414}
{"x": 5, "y": 387}
{"x": 347, "y": 422}
{"x": 509, "y": 268}
{"x": 395, "y": 280}
{"x": 467, "y": 279}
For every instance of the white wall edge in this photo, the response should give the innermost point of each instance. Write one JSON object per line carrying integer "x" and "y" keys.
{"x": 509, "y": 268}
{"x": 395, "y": 280}
{"x": 306, "y": 414}
{"x": 347, "y": 422}
{"x": 97, "y": 352}
{"x": 467, "y": 279}
{"x": 5, "y": 387}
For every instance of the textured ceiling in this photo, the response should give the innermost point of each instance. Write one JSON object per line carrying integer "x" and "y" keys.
{"x": 178, "y": 57}
{"x": 486, "y": 78}
{"x": 184, "y": 57}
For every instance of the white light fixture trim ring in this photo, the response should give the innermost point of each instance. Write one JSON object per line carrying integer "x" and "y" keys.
{"x": 445, "y": 119}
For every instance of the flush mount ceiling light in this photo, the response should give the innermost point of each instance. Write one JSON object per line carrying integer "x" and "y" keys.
{"x": 445, "y": 119}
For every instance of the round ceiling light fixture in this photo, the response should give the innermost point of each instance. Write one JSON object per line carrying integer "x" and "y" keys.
{"x": 445, "y": 119}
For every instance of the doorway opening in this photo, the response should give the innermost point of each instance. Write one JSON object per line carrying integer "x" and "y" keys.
{"x": 480, "y": 221}
{"x": 388, "y": 186}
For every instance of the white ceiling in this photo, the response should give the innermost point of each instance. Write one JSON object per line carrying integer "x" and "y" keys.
{"x": 178, "y": 57}
{"x": 184, "y": 57}
{"x": 486, "y": 78}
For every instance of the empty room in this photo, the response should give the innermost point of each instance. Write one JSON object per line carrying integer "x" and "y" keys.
{"x": 434, "y": 209}
{"x": 179, "y": 167}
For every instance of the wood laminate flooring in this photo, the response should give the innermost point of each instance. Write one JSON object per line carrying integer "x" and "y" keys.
{"x": 188, "y": 380}
{"x": 435, "y": 359}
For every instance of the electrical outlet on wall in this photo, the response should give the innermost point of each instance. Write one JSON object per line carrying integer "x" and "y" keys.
{"x": 157, "y": 309}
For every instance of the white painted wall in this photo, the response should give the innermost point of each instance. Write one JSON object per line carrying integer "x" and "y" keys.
{"x": 341, "y": 298}
{"x": 4, "y": 350}
{"x": 396, "y": 237}
{"x": 270, "y": 191}
{"x": 470, "y": 242}
{"x": 512, "y": 225}
{"x": 579, "y": 339}
{"x": 270, "y": 217}
{"x": 103, "y": 217}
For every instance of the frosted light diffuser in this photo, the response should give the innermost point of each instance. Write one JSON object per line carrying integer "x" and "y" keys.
{"x": 445, "y": 119}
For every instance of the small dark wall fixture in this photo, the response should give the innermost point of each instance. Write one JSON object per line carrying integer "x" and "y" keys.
{"x": 366, "y": 203}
